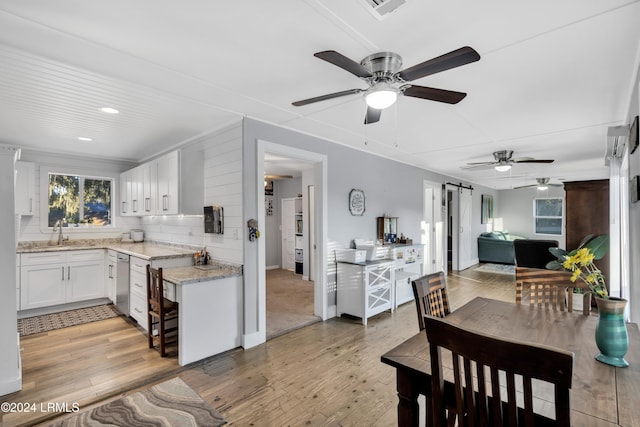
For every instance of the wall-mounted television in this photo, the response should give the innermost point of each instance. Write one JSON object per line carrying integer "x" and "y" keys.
{"x": 633, "y": 135}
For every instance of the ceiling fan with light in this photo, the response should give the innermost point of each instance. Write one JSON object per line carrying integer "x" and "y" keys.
{"x": 503, "y": 161}
{"x": 542, "y": 184}
{"x": 386, "y": 81}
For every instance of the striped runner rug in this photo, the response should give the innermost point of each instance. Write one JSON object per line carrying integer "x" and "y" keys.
{"x": 171, "y": 403}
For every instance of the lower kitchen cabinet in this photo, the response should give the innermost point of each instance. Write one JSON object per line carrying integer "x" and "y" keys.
{"x": 53, "y": 278}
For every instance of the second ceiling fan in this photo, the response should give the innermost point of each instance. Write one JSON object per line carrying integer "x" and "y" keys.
{"x": 386, "y": 81}
{"x": 503, "y": 161}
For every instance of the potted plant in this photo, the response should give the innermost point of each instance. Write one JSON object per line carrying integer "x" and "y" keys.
{"x": 611, "y": 331}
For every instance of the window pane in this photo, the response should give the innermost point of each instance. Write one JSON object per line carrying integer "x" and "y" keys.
{"x": 63, "y": 198}
{"x": 549, "y": 207}
{"x": 79, "y": 200}
{"x": 97, "y": 202}
{"x": 549, "y": 226}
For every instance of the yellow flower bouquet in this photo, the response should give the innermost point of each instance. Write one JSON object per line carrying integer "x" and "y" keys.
{"x": 580, "y": 262}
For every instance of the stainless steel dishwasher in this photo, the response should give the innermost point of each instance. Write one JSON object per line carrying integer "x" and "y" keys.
{"x": 122, "y": 283}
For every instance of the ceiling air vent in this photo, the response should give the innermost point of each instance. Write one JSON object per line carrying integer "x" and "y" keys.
{"x": 381, "y": 8}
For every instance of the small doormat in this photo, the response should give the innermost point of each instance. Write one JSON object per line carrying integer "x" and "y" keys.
{"x": 496, "y": 268}
{"x": 49, "y": 322}
{"x": 171, "y": 403}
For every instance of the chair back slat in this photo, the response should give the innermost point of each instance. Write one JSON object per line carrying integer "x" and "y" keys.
{"x": 549, "y": 289}
{"x": 430, "y": 293}
{"x": 512, "y": 365}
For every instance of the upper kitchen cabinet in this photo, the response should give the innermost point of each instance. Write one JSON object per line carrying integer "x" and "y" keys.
{"x": 169, "y": 185}
{"x": 25, "y": 188}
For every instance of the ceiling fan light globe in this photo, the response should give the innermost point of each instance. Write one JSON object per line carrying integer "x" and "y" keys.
{"x": 542, "y": 187}
{"x": 381, "y": 97}
{"x": 502, "y": 168}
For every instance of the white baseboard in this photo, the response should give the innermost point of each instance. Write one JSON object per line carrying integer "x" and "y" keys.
{"x": 332, "y": 311}
{"x": 272, "y": 267}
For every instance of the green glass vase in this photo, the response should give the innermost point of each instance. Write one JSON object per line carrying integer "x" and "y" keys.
{"x": 611, "y": 332}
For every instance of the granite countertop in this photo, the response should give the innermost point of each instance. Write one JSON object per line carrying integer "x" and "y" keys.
{"x": 195, "y": 274}
{"x": 145, "y": 250}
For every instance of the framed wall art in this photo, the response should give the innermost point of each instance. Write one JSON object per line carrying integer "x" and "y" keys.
{"x": 487, "y": 209}
{"x": 356, "y": 202}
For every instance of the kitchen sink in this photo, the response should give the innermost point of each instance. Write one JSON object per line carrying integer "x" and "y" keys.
{"x": 207, "y": 267}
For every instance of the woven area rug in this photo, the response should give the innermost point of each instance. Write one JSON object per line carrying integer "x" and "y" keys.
{"x": 496, "y": 268}
{"x": 171, "y": 403}
{"x": 49, "y": 322}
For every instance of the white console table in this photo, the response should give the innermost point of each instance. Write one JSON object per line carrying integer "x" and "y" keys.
{"x": 365, "y": 289}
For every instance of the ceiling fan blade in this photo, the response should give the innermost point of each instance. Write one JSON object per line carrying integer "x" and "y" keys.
{"x": 525, "y": 186}
{"x": 373, "y": 115}
{"x": 453, "y": 59}
{"x": 532, "y": 161}
{"x": 433, "y": 94}
{"x": 339, "y": 60}
{"x": 325, "y": 97}
{"x": 479, "y": 165}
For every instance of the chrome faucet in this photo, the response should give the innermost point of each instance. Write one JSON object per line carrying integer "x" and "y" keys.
{"x": 58, "y": 227}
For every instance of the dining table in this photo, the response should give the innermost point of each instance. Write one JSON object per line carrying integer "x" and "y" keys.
{"x": 601, "y": 395}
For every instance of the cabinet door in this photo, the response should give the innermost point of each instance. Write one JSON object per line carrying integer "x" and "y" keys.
{"x": 135, "y": 175}
{"x": 149, "y": 188}
{"x": 125, "y": 193}
{"x": 85, "y": 280}
{"x": 25, "y": 188}
{"x": 168, "y": 175}
{"x": 42, "y": 285}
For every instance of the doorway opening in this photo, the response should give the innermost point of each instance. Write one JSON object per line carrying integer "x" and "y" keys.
{"x": 291, "y": 294}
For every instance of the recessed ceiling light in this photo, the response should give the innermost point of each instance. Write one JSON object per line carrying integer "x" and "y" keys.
{"x": 109, "y": 110}
{"x": 84, "y": 138}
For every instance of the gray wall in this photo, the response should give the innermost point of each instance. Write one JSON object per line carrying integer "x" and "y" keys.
{"x": 390, "y": 188}
{"x": 516, "y": 211}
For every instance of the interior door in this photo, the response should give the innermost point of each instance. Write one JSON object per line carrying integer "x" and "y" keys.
{"x": 464, "y": 229}
{"x": 288, "y": 234}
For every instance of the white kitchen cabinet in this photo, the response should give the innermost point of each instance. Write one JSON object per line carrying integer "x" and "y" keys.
{"x": 53, "y": 278}
{"x": 138, "y": 307}
{"x": 171, "y": 184}
{"x": 110, "y": 274}
{"x": 84, "y": 280}
{"x": 365, "y": 289}
{"x": 149, "y": 174}
{"x": 25, "y": 183}
{"x": 135, "y": 176}
{"x": 409, "y": 266}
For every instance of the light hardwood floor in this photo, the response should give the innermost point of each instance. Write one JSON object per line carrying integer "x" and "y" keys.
{"x": 325, "y": 374}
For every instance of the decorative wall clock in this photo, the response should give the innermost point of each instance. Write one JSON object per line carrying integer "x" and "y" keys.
{"x": 356, "y": 202}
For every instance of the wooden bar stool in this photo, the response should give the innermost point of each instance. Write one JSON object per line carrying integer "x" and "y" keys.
{"x": 161, "y": 310}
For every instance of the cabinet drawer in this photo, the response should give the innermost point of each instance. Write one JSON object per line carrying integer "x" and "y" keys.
{"x": 85, "y": 255}
{"x": 138, "y": 264}
{"x": 138, "y": 309}
{"x": 169, "y": 290}
{"x": 138, "y": 283}
{"x": 42, "y": 258}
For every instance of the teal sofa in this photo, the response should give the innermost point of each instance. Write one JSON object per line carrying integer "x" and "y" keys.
{"x": 497, "y": 247}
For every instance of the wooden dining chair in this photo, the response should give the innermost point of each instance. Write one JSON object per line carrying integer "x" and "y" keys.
{"x": 430, "y": 293}
{"x": 483, "y": 367}
{"x": 161, "y": 311}
{"x": 550, "y": 289}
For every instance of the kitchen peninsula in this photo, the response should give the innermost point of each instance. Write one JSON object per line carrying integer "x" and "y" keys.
{"x": 54, "y": 278}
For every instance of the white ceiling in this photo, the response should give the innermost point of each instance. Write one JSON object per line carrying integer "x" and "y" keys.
{"x": 553, "y": 76}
